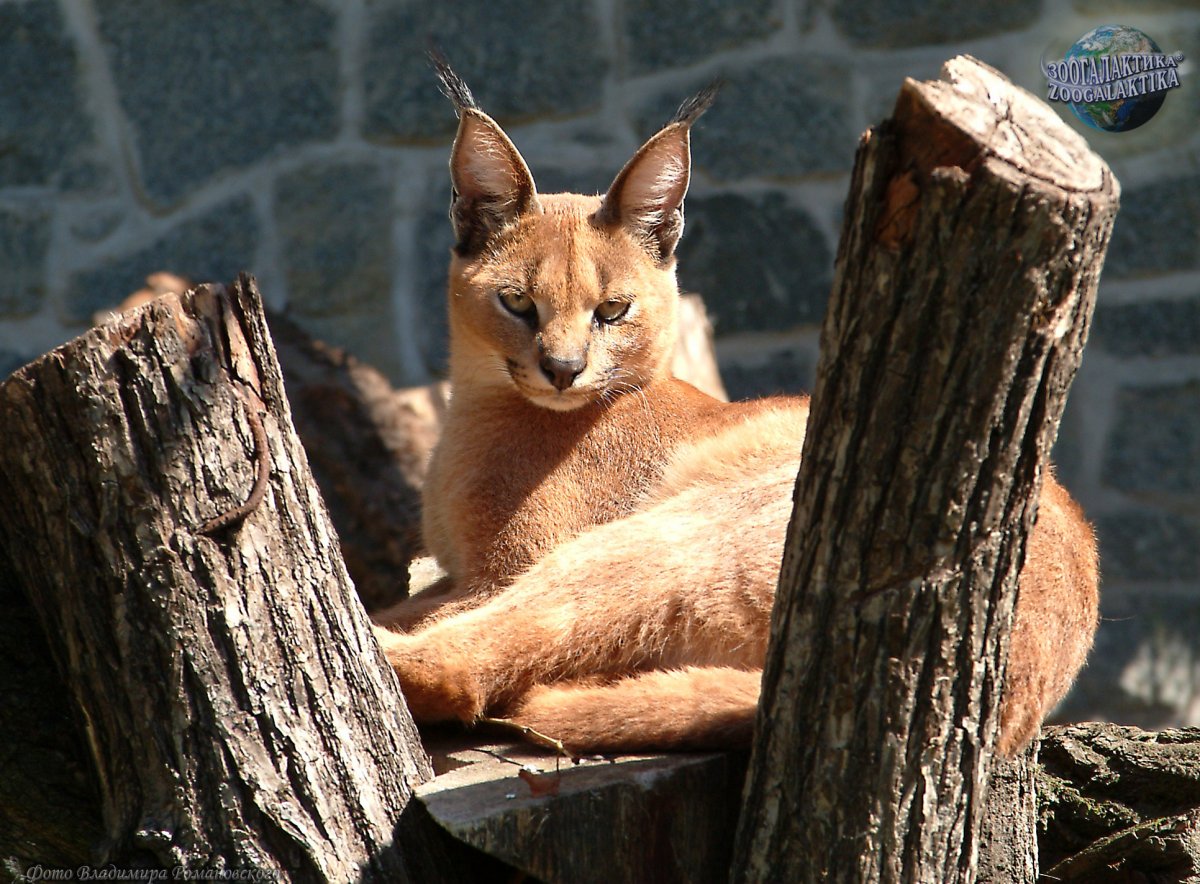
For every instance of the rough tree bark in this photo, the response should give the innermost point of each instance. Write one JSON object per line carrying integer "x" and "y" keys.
{"x": 974, "y": 234}
{"x": 49, "y": 801}
{"x": 1008, "y": 846}
{"x": 367, "y": 443}
{"x": 1118, "y": 804}
{"x": 236, "y": 708}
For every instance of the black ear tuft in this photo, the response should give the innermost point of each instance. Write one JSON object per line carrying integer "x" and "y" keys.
{"x": 492, "y": 186}
{"x": 693, "y": 107}
{"x": 452, "y": 85}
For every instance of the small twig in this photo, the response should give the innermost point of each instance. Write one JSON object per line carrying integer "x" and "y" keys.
{"x": 262, "y": 458}
{"x": 530, "y": 736}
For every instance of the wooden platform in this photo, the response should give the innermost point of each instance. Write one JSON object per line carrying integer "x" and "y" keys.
{"x": 660, "y": 818}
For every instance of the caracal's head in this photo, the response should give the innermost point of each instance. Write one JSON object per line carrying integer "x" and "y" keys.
{"x": 568, "y": 299}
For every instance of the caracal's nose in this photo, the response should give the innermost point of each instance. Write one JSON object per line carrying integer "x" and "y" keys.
{"x": 562, "y": 372}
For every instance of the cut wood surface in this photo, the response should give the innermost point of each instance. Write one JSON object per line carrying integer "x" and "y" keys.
{"x": 659, "y": 818}
{"x": 972, "y": 243}
{"x": 236, "y": 708}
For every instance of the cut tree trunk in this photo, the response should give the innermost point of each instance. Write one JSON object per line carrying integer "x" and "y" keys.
{"x": 160, "y": 516}
{"x": 1118, "y": 804}
{"x": 1008, "y": 846}
{"x": 368, "y": 445}
{"x": 974, "y": 234}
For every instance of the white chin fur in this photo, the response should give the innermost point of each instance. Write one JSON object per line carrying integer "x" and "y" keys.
{"x": 559, "y": 402}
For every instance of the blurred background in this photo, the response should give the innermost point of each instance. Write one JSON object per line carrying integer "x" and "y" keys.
{"x": 306, "y": 142}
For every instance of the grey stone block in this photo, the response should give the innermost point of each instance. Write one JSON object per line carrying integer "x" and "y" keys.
{"x": 1156, "y": 229}
{"x": 1155, "y": 445}
{"x": 213, "y": 247}
{"x": 10, "y": 361}
{"x": 899, "y": 23}
{"x": 434, "y": 241}
{"x": 788, "y": 371}
{"x": 1067, "y": 454}
{"x": 223, "y": 84}
{"x": 783, "y": 117}
{"x": 664, "y": 33}
{"x": 1144, "y": 669}
{"x": 335, "y": 229}
{"x": 42, "y": 120}
{"x": 95, "y": 223}
{"x": 522, "y": 61}
{"x": 1092, "y": 7}
{"x": 24, "y": 239}
{"x": 1149, "y": 545}
{"x": 1158, "y": 328}
{"x": 760, "y": 263}
{"x": 558, "y": 179}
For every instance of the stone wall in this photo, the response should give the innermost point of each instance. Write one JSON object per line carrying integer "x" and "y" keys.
{"x": 306, "y": 141}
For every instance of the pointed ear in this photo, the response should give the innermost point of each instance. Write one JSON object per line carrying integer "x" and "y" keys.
{"x": 492, "y": 184}
{"x": 647, "y": 195}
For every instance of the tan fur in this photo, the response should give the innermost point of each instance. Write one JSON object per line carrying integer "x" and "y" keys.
{"x": 613, "y": 547}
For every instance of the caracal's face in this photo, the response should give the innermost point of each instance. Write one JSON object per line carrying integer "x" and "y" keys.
{"x": 562, "y": 308}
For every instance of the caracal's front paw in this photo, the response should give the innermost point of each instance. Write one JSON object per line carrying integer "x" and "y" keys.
{"x": 436, "y": 686}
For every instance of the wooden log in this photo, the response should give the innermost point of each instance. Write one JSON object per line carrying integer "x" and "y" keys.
{"x": 161, "y": 518}
{"x": 1008, "y": 845}
{"x": 1119, "y": 804}
{"x": 368, "y": 444}
{"x": 972, "y": 243}
{"x": 663, "y": 818}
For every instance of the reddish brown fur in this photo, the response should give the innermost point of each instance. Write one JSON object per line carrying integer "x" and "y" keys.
{"x": 613, "y": 548}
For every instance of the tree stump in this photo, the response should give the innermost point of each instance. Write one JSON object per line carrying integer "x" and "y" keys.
{"x": 160, "y": 516}
{"x": 973, "y": 238}
{"x": 368, "y": 445}
{"x": 1119, "y": 804}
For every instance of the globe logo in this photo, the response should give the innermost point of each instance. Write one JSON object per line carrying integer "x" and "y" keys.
{"x": 1114, "y": 78}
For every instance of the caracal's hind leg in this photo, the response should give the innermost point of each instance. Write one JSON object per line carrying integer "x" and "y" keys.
{"x": 670, "y": 586}
{"x": 697, "y": 707}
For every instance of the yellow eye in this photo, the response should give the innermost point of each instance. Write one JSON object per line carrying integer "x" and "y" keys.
{"x": 612, "y": 310}
{"x": 517, "y": 302}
